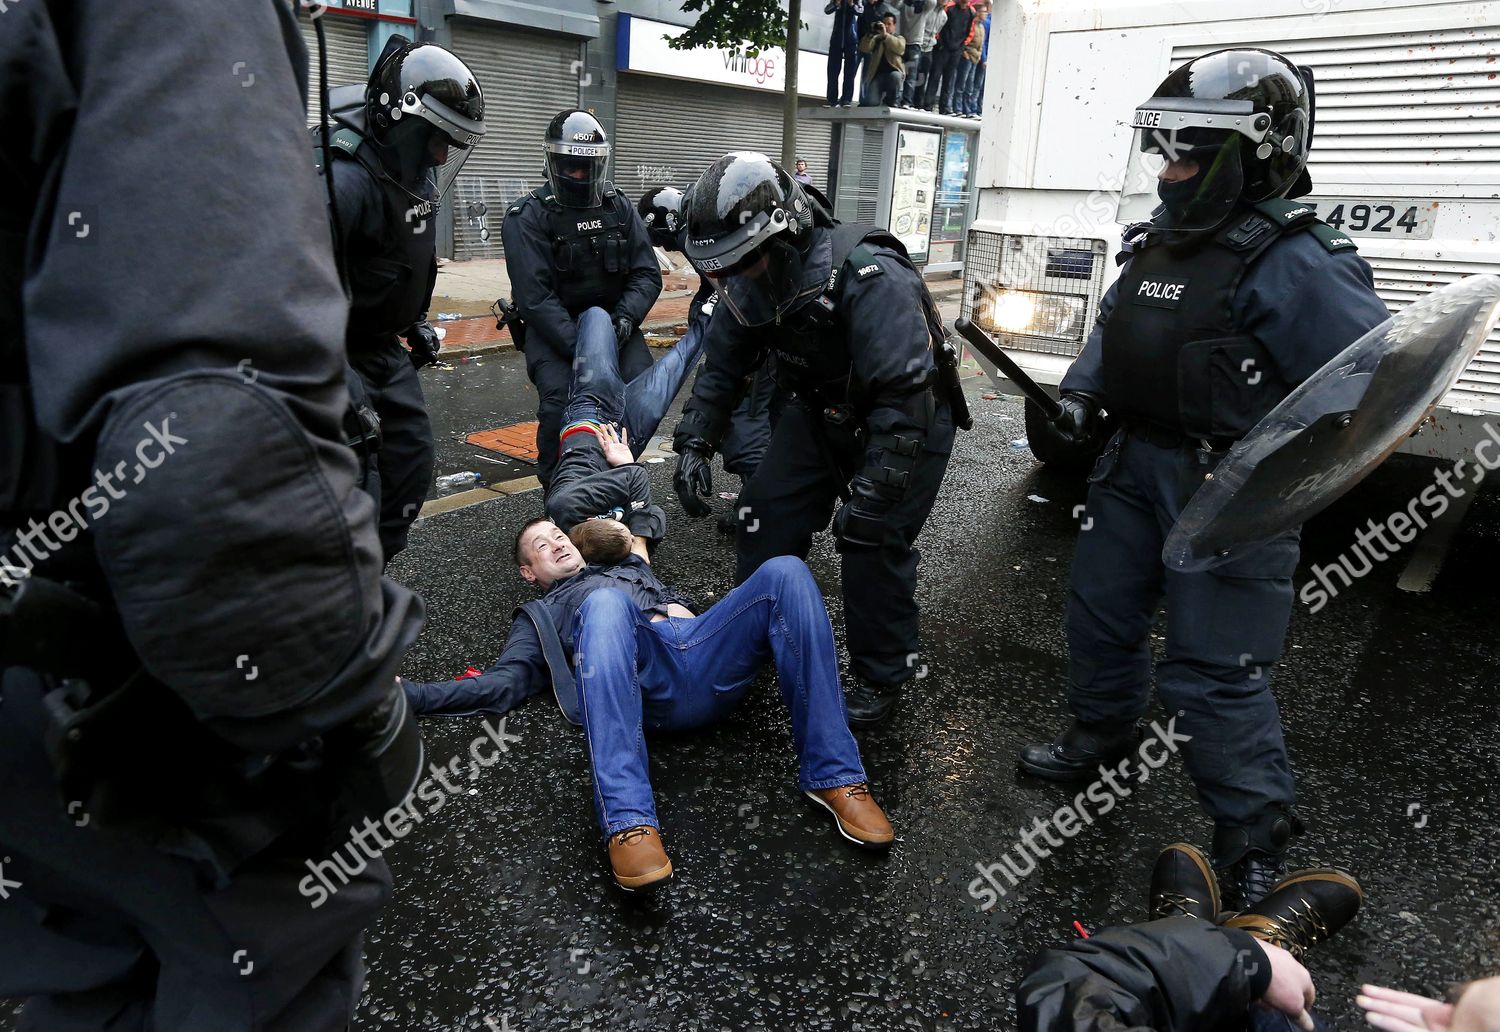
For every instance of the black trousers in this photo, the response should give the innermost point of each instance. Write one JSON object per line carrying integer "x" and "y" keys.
{"x": 942, "y": 64}
{"x": 105, "y": 932}
{"x": 403, "y": 467}
{"x": 792, "y": 497}
{"x": 749, "y": 433}
{"x": 552, "y": 374}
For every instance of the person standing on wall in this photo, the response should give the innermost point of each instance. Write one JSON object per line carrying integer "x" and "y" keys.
{"x": 934, "y": 17}
{"x": 968, "y": 67}
{"x": 843, "y": 49}
{"x": 976, "y": 83}
{"x": 946, "y": 54}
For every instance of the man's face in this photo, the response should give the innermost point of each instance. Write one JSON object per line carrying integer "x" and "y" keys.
{"x": 889, "y": 21}
{"x": 549, "y": 555}
{"x": 1179, "y": 171}
{"x": 801, "y": 166}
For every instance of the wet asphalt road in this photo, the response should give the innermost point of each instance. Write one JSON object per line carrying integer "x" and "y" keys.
{"x": 504, "y": 915}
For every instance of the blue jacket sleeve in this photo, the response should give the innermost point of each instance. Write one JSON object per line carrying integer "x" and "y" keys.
{"x": 1305, "y": 304}
{"x": 516, "y": 676}
{"x": 1086, "y": 374}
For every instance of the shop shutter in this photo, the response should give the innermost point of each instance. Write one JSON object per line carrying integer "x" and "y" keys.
{"x": 668, "y": 131}
{"x": 348, "y": 55}
{"x": 527, "y": 78}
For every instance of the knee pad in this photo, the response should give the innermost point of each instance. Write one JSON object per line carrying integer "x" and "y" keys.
{"x": 1269, "y": 834}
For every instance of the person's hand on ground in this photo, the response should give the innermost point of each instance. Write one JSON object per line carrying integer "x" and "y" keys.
{"x": 1395, "y": 1011}
{"x": 1477, "y": 1009}
{"x": 616, "y": 445}
{"x": 1291, "y": 991}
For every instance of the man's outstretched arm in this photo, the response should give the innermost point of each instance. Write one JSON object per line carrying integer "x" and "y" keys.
{"x": 516, "y": 676}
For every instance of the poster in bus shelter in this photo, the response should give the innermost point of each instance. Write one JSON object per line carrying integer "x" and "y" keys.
{"x": 914, "y": 188}
{"x": 952, "y": 205}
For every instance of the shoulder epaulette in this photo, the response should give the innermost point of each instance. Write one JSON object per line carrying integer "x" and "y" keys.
{"x": 1334, "y": 240}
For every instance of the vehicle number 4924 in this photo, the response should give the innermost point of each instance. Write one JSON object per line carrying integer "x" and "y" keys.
{"x": 1378, "y": 218}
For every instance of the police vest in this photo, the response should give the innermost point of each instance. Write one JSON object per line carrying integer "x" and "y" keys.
{"x": 810, "y": 346}
{"x": 1174, "y": 354}
{"x": 590, "y": 251}
{"x": 390, "y": 262}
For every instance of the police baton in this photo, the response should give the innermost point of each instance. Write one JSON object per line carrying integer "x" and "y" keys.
{"x": 987, "y": 348}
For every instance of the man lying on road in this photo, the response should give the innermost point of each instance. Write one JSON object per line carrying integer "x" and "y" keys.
{"x": 641, "y": 658}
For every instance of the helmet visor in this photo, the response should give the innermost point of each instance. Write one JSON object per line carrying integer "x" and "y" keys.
{"x": 765, "y": 284}
{"x": 1181, "y": 176}
{"x": 451, "y": 141}
{"x": 577, "y": 172}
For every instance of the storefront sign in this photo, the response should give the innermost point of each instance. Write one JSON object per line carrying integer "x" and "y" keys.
{"x": 642, "y": 47}
{"x": 914, "y": 190}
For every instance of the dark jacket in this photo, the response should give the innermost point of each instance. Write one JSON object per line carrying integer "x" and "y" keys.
{"x": 956, "y": 30}
{"x": 137, "y": 310}
{"x": 521, "y": 670}
{"x": 529, "y": 258}
{"x": 1177, "y": 975}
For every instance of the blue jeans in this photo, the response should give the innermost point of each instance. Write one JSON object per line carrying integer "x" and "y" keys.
{"x": 1263, "y": 1019}
{"x": 842, "y": 61}
{"x": 635, "y": 675}
{"x": 976, "y": 91}
{"x": 599, "y": 394}
{"x": 956, "y": 90}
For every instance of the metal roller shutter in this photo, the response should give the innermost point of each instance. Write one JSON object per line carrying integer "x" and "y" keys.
{"x": 527, "y": 77}
{"x": 348, "y": 56}
{"x": 669, "y": 132}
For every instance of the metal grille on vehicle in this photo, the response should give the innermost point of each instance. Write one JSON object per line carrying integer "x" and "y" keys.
{"x": 1033, "y": 293}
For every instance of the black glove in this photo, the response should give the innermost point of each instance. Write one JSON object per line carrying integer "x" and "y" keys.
{"x": 424, "y": 343}
{"x": 623, "y": 329}
{"x": 694, "y": 480}
{"x": 1079, "y": 413}
{"x": 855, "y": 528}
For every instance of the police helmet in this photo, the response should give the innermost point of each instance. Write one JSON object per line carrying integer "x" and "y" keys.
{"x": 576, "y": 149}
{"x": 750, "y": 230}
{"x": 664, "y": 211}
{"x": 425, "y": 109}
{"x": 1229, "y": 127}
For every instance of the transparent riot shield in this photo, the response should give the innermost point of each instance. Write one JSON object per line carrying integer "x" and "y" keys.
{"x": 1334, "y": 429}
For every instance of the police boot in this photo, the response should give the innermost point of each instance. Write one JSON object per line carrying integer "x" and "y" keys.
{"x": 1250, "y": 860}
{"x": 868, "y": 704}
{"x": 1303, "y": 909}
{"x": 1183, "y": 885}
{"x": 1078, "y": 753}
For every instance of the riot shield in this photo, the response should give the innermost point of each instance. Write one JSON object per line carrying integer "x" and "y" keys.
{"x": 1334, "y": 429}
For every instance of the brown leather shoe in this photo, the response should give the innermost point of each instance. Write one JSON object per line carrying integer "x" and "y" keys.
{"x": 637, "y": 858}
{"x": 857, "y": 815}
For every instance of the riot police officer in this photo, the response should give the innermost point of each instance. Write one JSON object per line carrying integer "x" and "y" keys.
{"x": 197, "y": 650}
{"x": 397, "y": 150}
{"x": 858, "y": 347}
{"x": 572, "y": 244}
{"x": 663, "y": 209}
{"x": 1230, "y": 295}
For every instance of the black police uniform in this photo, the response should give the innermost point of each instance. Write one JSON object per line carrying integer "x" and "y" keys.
{"x": 390, "y": 253}
{"x": 563, "y": 260}
{"x": 857, "y": 363}
{"x": 749, "y": 433}
{"x": 178, "y": 392}
{"x": 1242, "y": 315}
